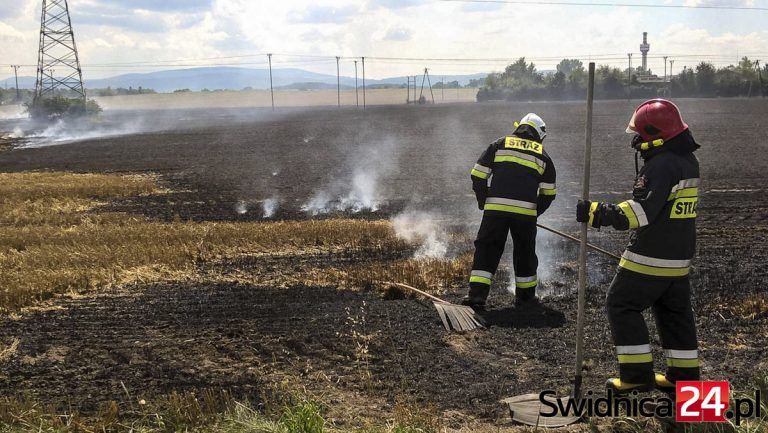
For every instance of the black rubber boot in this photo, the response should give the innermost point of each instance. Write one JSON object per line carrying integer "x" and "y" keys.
{"x": 525, "y": 297}
{"x": 476, "y": 296}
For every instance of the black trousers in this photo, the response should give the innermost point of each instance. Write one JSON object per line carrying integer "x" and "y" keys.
{"x": 628, "y": 296}
{"x": 489, "y": 247}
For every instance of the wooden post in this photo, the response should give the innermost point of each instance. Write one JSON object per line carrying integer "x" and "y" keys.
{"x": 583, "y": 248}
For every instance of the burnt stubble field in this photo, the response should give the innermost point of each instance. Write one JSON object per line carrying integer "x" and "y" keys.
{"x": 153, "y": 338}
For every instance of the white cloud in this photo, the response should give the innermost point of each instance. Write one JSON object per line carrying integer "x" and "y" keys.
{"x": 397, "y": 34}
{"x": 119, "y": 31}
{"x": 10, "y": 34}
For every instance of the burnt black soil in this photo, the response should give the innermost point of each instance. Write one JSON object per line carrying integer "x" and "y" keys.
{"x": 158, "y": 338}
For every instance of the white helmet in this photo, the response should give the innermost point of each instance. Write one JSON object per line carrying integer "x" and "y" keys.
{"x": 533, "y": 120}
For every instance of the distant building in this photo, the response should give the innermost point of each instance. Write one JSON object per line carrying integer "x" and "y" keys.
{"x": 644, "y": 48}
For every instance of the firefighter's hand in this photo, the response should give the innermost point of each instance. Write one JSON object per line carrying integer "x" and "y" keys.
{"x": 587, "y": 212}
{"x": 481, "y": 204}
{"x": 582, "y": 211}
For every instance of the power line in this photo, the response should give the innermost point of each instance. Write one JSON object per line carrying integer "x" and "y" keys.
{"x": 312, "y": 59}
{"x": 607, "y": 4}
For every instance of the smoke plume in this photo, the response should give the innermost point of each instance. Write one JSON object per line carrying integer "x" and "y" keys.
{"x": 422, "y": 228}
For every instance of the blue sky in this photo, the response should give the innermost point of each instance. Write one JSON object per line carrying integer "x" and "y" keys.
{"x": 120, "y": 36}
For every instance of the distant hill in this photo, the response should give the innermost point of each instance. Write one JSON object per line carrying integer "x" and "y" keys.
{"x": 214, "y": 78}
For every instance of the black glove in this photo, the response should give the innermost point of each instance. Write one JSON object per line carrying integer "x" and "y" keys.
{"x": 583, "y": 208}
{"x": 481, "y": 205}
{"x": 637, "y": 140}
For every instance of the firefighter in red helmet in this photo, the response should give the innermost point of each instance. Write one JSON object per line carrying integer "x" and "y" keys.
{"x": 653, "y": 272}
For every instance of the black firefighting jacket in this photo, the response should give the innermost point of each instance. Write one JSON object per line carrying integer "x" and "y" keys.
{"x": 514, "y": 177}
{"x": 662, "y": 211}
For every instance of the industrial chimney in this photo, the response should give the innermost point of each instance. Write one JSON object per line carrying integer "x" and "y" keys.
{"x": 644, "y": 48}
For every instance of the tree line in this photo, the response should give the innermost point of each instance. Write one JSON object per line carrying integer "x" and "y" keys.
{"x": 521, "y": 81}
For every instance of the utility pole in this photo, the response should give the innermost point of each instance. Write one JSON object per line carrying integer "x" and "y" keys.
{"x": 408, "y": 89}
{"x": 629, "y": 77}
{"x": 760, "y": 78}
{"x": 415, "y": 101}
{"x": 671, "y": 63}
{"x": 363, "y": 83}
{"x": 357, "y": 99}
{"x": 431, "y": 93}
{"x": 271, "y": 88}
{"x": 338, "y": 83}
{"x": 665, "y": 69}
{"x": 442, "y": 96}
{"x": 16, "y": 73}
{"x": 423, "y": 78}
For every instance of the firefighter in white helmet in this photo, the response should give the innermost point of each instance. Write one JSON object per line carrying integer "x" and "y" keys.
{"x": 514, "y": 182}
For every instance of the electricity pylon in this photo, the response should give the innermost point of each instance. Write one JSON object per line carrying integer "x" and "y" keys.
{"x": 58, "y": 65}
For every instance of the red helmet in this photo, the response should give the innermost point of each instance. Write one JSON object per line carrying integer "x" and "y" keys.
{"x": 657, "y": 118}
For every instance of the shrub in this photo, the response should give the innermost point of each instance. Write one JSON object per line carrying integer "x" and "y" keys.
{"x": 62, "y": 107}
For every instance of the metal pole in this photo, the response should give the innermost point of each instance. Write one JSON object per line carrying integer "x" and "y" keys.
{"x": 583, "y": 248}
{"x": 363, "y": 83}
{"x": 408, "y": 90}
{"x": 442, "y": 91}
{"x": 415, "y": 101}
{"x": 431, "y": 93}
{"x": 357, "y": 99}
{"x": 629, "y": 77}
{"x": 671, "y": 63}
{"x": 271, "y": 88}
{"x": 423, "y": 78}
{"x": 338, "y": 83}
{"x": 16, "y": 73}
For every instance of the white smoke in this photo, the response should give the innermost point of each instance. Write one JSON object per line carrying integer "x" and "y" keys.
{"x": 359, "y": 195}
{"x": 422, "y": 228}
{"x": 9, "y": 112}
{"x": 241, "y": 207}
{"x": 15, "y": 134}
{"x": 372, "y": 164}
{"x": 68, "y": 131}
{"x": 269, "y": 207}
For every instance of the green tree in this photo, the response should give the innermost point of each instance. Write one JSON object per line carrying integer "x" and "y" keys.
{"x": 567, "y": 66}
{"x": 610, "y": 82}
{"x": 705, "y": 79}
{"x": 556, "y": 85}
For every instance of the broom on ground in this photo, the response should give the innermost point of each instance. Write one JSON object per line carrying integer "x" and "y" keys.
{"x": 454, "y": 317}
